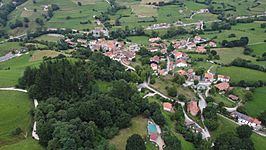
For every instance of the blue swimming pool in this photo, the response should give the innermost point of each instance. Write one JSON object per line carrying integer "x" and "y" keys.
{"x": 152, "y": 128}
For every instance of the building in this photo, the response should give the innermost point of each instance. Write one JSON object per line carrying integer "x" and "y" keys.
{"x": 223, "y": 78}
{"x": 182, "y": 72}
{"x": 167, "y": 106}
{"x": 154, "y": 66}
{"x": 177, "y": 54}
{"x": 192, "y": 108}
{"x": 100, "y": 32}
{"x": 233, "y": 97}
{"x": 181, "y": 63}
{"x": 246, "y": 120}
{"x": 224, "y": 86}
{"x": 209, "y": 77}
{"x": 200, "y": 49}
{"x": 155, "y": 40}
{"x": 155, "y": 59}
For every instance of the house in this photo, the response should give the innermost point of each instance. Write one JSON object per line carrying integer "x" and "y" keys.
{"x": 155, "y": 40}
{"x": 192, "y": 108}
{"x": 246, "y": 120}
{"x": 233, "y": 97}
{"x": 177, "y": 54}
{"x": 212, "y": 44}
{"x": 167, "y": 106}
{"x": 162, "y": 72}
{"x": 153, "y": 49}
{"x": 155, "y": 59}
{"x": 209, "y": 77}
{"x": 181, "y": 63}
{"x": 223, "y": 78}
{"x": 134, "y": 47}
{"x": 83, "y": 42}
{"x": 154, "y": 66}
{"x": 201, "y": 49}
{"x": 182, "y": 72}
{"x": 224, "y": 86}
{"x": 100, "y": 32}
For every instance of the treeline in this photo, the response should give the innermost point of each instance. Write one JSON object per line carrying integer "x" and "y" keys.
{"x": 242, "y": 42}
{"x": 74, "y": 112}
{"x": 7, "y": 8}
{"x": 239, "y": 62}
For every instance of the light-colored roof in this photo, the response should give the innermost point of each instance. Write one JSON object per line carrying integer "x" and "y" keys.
{"x": 222, "y": 86}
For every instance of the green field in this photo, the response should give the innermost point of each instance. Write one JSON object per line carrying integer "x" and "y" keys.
{"x": 258, "y": 102}
{"x": 240, "y": 30}
{"x": 27, "y": 144}
{"x": 12, "y": 69}
{"x": 8, "y": 47}
{"x": 143, "y": 40}
{"x": 48, "y": 38}
{"x": 220, "y": 98}
{"x": 240, "y": 73}
{"x": 138, "y": 126}
{"x": 259, "y": 49}
{"x": 229, "y": 126}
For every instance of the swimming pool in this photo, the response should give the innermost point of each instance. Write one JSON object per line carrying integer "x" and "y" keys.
{"x": 152, "y": 128}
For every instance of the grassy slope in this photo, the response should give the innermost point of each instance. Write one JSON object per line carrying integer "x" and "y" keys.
{"x": 48, "y": 38}
{"x": 228, "y": 126}
{"x": 17, "y": 66}
{"x": 27, "y": 144}
{"x": 258, "y": 102}
{"x": 14, "y": 108}
{"x": 259, "y": 49}
{"x": 139, "y": 126}
{"x": 239, "y": 73}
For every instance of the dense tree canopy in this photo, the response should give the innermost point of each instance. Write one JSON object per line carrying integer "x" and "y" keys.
{"x": 135, "y": 142}
{"x": 74, "y": 113}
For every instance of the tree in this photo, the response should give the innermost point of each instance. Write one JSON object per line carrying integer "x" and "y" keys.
{"x": 170, "y": 48}
{"x": 182, "y": 98}
{"x": 200, "y": 71}
{"x": 172, "y": 143}
{"x": 244, "y": 131}
{"x": 135, "y": 142}
{"x": 196, "y": 82}
{"x": 172, "y": 91}
{"x": 79, "y": 3}
{"x": 262, "y": 117}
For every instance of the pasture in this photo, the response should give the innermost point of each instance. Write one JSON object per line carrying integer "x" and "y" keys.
{"x": 38, "y": 55}
{"x": 257, "y": 105}
{"x": 26, "y": 144}
{"x": 50, "y": 38}
{"x": 14, "y": 108}
{"x": 259, "y": 49}
{"x": 239, "y": 73}
{"x": 11, "y": 70}
{"x": 138, "y": 126}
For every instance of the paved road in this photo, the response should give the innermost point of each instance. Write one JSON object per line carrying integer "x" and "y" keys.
{"x": 205, "y": 133}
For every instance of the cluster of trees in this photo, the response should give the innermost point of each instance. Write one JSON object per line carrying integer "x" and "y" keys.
{"x": 74, "y": 113}
{"x": 243, "y": 83}
{"x": 242, "y": 42}
{"x": 6, "y": 9}
{"x": 248, "y": 51}
{"x": 135, "y": 142}
{"x": 122, "y": 34}
{"x": 172, "y": 32}
{"x": 239, "y": 141}
{"x": 155, "y": 113}
{"x": 50, "y": 12}
{"x": 247, "y": 64}
{"x": 188, "y": 133}
{"x": 216, "y": 26}
{"x": 262, "y": 58}
{"x": 262, "y": 117}
{"x": 210, "y": 115}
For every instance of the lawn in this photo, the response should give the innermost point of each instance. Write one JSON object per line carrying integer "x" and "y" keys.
{"x": 138, "y": 126}
{"x": 228, "y": 126}
{"x": 143, "y": 40}
{"x": 239, "y": 73}
{"x": 220, "y": 98}
{"x": 8, "y": 47}
{"x": 258, "y": 102}
{"x": 11, "y": 70}
{"x": 103, "y": 85}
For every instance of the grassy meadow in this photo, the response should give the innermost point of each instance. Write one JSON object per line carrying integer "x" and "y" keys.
{"x": 8, "y": 47}
{"x": 258, "y": 102}
{"x": 239, "y": 73}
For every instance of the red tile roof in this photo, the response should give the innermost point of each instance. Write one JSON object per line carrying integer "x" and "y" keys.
{"x": 167, "y": 105}
{"x": 193, "y": 108}
{"x": 223, "y": 86}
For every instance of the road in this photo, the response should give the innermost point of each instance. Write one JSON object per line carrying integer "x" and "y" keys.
{"x": 205, "y": 132}
{"x": 13, "y": 89}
